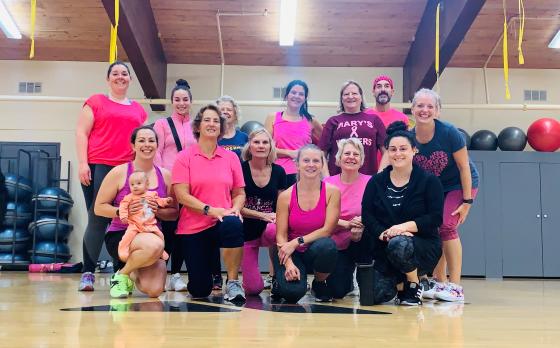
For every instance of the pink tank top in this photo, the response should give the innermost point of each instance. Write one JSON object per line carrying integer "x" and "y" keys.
{"x": 161, "y": 189}
{"x": 302, "y": 222}
{"x": 291, "y": 136}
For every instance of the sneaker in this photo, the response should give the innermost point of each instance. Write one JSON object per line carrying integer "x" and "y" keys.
{"x": 411, "y": 295}
{"x": 121, "y": 286}
{"x": 274, "y": 289}
{"x": 234, "y": 291}
{"x": 267, "y": 282}
{"x": 86, "y": 282}
{"x": 176, "y": 283}
{"x": 217, "y": 282}
{"x": 321, "y": 291}
{"x": 451, "y": 293}
{"x": 430, "y": 287}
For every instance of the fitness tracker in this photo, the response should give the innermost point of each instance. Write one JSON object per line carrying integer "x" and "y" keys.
{"x": 206, "y": 209}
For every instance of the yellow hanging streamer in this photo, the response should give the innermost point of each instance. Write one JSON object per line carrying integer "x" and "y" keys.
{"x": 506, "y": 64}
{"x": 437, "y": 40}
{"x": 113, "y": 39}
{"x": 33, "y": 13}
{"x": 521, "y": 9}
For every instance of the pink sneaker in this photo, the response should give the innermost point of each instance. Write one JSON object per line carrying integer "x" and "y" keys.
{"x": 451, "y": 293}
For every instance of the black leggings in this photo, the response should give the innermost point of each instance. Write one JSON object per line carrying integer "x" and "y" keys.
{"x": 341, "y": 280}
{"x": 173, "y": 245}
{"x": 319, "y": 257}
{"x": 400, "y": 254}
{"x": 200, "y": 251}
{"x": 97, "y": 225}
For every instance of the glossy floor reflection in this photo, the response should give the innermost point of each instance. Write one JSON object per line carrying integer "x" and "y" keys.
{"x": 508, "y": 313}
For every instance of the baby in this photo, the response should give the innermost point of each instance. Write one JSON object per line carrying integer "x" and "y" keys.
{"x": 144, "y": 220}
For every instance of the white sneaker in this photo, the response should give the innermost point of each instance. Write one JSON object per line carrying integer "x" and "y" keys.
{"x": 267, "y": 282}
{"x": 451, "y": 293}
{"x": 234, "y": 291}
{"x": 176, "y": 283}
{"x": 431, "y": 287}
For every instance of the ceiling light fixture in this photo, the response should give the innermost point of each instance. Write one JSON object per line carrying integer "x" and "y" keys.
{"x": 7, "y": 23}
{"x": 555, "y": 43}
{"x": 287, "y": 22}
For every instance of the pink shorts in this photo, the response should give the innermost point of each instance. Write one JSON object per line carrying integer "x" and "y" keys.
{"x": 453, "y": 199}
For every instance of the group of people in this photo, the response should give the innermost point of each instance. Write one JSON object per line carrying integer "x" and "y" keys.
{"x": 361, "y": 188}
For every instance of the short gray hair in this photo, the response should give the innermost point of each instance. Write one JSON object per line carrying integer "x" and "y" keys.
{"x": 228, "y": 99}
{"x": 350, "y": 141}
{"x": 430, "y": 93}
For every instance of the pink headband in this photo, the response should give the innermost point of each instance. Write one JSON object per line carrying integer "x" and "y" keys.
{"x": 381, "y": 78}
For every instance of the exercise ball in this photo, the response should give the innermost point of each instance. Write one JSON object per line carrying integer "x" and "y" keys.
{"x": 512, "y": 139}
{"x": 484, "y": 140}
{"x": 17, "y": 258}
{"x": 8, "y": 242}
{"x": 251, "y": 126}
{"x": 48, "y": 197}
{"x": 23, "y": 212}
{"x": 466, "y": 136}
{"x": 23, "y": 186}
{"x": 45, "y": 252}
{"x": 45, "y": 228}
{"x": 544, "y": 135}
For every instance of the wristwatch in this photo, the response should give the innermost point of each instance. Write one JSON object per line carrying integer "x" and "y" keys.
{"x": 468, "y": 201}
{"x": 206, "y": 209}
{"x": 300, "y": 241}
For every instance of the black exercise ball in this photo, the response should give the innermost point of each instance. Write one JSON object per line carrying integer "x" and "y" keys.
{"x": 484, "y": 140}
{"x": 251, "y": 126}
{"x": 512, "y": 139}
{"x": 466, "y": 136}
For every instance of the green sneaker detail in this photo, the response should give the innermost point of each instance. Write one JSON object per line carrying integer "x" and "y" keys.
{"x": 120, "y": 286}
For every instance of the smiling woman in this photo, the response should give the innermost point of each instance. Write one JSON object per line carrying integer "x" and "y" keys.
{"x": 104, "y": 127}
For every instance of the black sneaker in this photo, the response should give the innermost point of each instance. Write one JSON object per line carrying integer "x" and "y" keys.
{"x": 411, "y": 295}
{"x": 217, "y": 282}
{"x": 274, "y": 290}
{"x": 321, "y": 291}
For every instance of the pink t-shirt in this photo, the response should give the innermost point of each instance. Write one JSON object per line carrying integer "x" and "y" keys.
{"x": 211, "y": 180}
{"x": 350, "y": 205}
{"x": 113, "y": 123}
{"x": 292, "y": 136}
{"x": 167, "y": 149}
{"x": 388, "y": 117}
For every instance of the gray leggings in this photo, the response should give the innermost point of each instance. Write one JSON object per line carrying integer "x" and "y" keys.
{"x": 400, "y": 254}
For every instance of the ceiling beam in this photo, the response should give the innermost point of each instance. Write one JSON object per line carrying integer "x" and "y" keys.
{"x": 456, "y": 17}
{"x": 139, "y": 37}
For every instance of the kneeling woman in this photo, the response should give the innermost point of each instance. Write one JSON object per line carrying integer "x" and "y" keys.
{"x": 144, "y": 264}
{"x": 264, "y": 180}
{"x": 306, "y": 215}
{"x": 402, "y": 209}
{"x": 208, "y": 181}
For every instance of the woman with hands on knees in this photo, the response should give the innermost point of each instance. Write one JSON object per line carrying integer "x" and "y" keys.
{"x": 144, "y": 265}
{"x": 208, "y": 182}
{"x": 442, "y": 151}
{"x": 264, "y": 180}
{"x": 306, "y": 215}
{"x": 349, "y": 230}
{"x": 102, "y": 135}
{"x": 402, "y": 210}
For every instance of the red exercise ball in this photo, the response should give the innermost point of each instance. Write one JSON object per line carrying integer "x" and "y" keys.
{"x": 544, "y": 135}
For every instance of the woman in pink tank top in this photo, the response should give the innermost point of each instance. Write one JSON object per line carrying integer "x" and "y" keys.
{"x": 293, "y": 128}
{"x": 306, "y": 215}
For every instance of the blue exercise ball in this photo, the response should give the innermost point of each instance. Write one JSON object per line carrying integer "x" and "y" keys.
{"x": 45, "y": 228}
{"x": 251, "y": 126}
{"x": 17, "y": 241}
{"x": 44, "y": 252}
{"x": 20, "y": 214}
{"x": 17, "y": 258}
{"x": 48, "y": 197}
{"x": 22, "y": 185}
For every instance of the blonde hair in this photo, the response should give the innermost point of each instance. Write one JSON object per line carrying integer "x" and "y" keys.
{"x": 430, "y": 93}
{"x": 350, "y": 141}
{"x": 246, "y": 153}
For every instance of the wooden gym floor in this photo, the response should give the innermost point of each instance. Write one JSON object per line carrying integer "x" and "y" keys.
{"x": 46, "y": 310}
